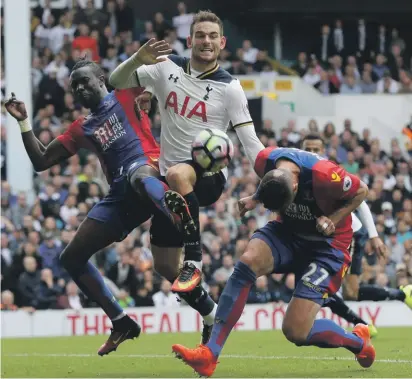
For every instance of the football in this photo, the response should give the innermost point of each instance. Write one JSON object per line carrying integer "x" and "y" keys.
{"x": 212, "y": 150}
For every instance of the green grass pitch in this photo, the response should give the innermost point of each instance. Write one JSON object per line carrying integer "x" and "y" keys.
{"x": 247, "y": 354}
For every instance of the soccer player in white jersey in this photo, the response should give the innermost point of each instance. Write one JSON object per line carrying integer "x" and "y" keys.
{"x": 193, "y": 94}
{"x": 313, "y": 143}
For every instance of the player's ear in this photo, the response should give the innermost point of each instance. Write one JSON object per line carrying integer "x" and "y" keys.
{"x": 295, "y": 187}
{"x": 223, "y": 42}
{"x": 189, "y": 42}
{"x": 102, "y": 80}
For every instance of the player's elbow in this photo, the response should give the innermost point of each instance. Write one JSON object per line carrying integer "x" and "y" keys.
{"x": 363, "y": 191}
{"x": 40, "y": 166}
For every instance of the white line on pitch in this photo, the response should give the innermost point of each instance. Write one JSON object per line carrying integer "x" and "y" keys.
{"x": 262, "y": 357}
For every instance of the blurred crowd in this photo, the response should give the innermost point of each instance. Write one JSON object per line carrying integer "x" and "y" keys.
{"x": 34, "y": 235}
{"x": 367, "y": 59}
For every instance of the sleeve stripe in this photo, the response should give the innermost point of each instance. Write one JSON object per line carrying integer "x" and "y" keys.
{"x": 137, "y": 78}
{"x": 243, "y": 124}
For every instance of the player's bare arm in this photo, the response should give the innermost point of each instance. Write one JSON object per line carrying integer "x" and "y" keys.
{"x": 152, "y": 52}
{"x": 42, "y": 157}
{"x": 350, "y": 205}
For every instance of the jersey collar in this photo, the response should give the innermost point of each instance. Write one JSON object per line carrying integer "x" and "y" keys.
{"x": 203, "y": 75}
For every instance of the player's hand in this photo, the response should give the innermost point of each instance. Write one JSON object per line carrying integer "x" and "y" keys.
{"x": 143, "y": 102}
{"x": 325, "y": 225}
{"x": 150, "y": 52}
{"x": 379, "y": 247}
{"x": 246, "y": 204}
{"x": 16, "y": 108}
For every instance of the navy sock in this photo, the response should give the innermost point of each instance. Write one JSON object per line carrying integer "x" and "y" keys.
{"x": 199, "y": 300}
{"x": 376, "y": 293}
{"x": 156, "y": 189}
{"x": 193, "y": 250}
{"x": 91, "y": 283}
{"x": 326, "y": 334}
{"x": 231, "y": 305}
{"x": 338, "y": 307}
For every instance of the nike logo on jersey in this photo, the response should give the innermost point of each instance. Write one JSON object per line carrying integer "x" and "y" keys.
{"x": 335, "y": 177}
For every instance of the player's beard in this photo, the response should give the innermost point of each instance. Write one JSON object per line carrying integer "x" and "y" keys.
{"x": 199, "y": 57}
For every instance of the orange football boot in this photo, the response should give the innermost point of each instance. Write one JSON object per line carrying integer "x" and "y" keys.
{"x": 200, "y": 359}
{"x": 189, "y": 278}
{"x": 367, "y": 356}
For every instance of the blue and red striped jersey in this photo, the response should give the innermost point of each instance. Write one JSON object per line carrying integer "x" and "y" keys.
{"x": 113, "y": 132}
{"x": 323, "y": 188}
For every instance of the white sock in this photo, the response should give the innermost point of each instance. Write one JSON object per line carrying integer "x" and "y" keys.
{"x": 210, "y": 318}
{"x": 121, "y": 315}
{"x": 198, "y": 265}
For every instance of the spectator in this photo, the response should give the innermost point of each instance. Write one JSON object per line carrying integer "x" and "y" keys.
{"x": 71, "y": 299}
{"x": 260, "y": 293}
{"x": 50, "y": 250}
{"x": 160, "y": 26}
{"x": 223, "y": 273}
{"x": 248, "y": 53}
{"x": 182, "y": 22}
{"x": 86, "y": 43}
{"x": 29, "y": 282}
{"x": 301, "y": 65}
{"x": 165, "y": 297}
{"x": 367, "y": 85}
{"x": 7, "y": 301}
{"x": 350, "y": 87}
{"x": 123, "y": 273}
{"x": 387, "y": 84}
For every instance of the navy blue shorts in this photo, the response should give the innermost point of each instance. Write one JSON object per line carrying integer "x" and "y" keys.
{"x": 356, "y": 251}
{"x": 124, "y": 210}
{"x": 318, "y": 267}
{"x": 209, "y": 186}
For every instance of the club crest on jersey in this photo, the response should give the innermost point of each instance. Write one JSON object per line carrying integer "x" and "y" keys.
{"x": 187, "y": 110}
{"x": 208, "y": 89}
{"x": 109, "y": 132}
{"x": 347, "y": 183}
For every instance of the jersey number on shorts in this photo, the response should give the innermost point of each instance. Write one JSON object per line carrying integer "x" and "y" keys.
{"x": 312, "y": 269}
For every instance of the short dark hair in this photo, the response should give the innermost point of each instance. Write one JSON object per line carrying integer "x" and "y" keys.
{"x": 312, "y": 137}
{"x": 204, "y": 16}
{"x": 83, "y": 62}
{"x": 275, "y": 191}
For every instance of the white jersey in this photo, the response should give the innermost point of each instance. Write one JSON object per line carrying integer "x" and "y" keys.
{"x": 191, "y": 103}
{"x": 356, "y": 223}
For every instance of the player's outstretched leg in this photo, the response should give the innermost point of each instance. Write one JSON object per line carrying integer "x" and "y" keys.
{"x": 145, "y": 180}
{"x": 166, "y": 263}
{"x": 183, "y": 201}
{"x": 257, "y": 260}
{"x": 339, "y": 307}
{"x": 91, "y": 237}
{"x": 376, "y": 293}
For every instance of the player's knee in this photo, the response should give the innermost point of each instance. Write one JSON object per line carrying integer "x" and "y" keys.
{"x": 293, "y": 333}
{"x": 259, "y": 264}
{"x": 179, "y": 175}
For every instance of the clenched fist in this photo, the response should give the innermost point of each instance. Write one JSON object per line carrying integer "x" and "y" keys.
{"x": 16, "y": 108}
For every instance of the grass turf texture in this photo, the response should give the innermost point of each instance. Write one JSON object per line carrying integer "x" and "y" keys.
{"x": 247, "y": 354}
